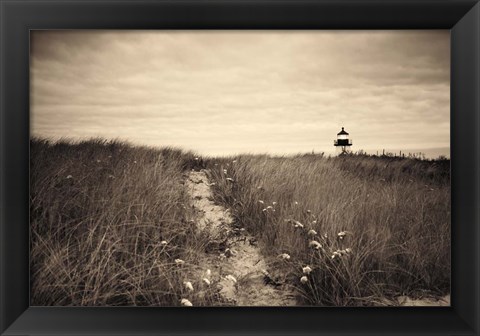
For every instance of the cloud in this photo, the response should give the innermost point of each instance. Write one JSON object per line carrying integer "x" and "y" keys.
{"x": 255, "y": 91}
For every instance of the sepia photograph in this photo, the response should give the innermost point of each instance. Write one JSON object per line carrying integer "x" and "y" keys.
{"x": 240, "y": 168}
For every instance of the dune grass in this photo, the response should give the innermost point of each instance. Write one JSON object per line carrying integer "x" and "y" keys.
{"x": 112, "y": 224}
{"x": 108, "y": 221}
{"x": 367, "y": 227}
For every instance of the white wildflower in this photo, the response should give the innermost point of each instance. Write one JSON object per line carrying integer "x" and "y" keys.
{"x": 163, "y": 242}
{"x": 206, "y": 281}
{"x": 304, "y": 279}
{"x": 208, "y": 272}
{"x": 230, "y": 179}
{"x": 274, "y": 203}
{"x": 285, "y": 256}
{"x": 186, "y": 303}
{"x": 336, "y": 254}
{"x": 261, "y": 202}
{"x": 179, "y": 262}
{"x": 315, "y": 244}
{"x": 188, "y": 285}
{"x": 312, "y": 233}
{"x": 69, "y": 177}
{"x": 306, "y": 270}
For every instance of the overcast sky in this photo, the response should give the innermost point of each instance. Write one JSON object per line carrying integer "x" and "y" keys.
{"x": 244, "y": 91}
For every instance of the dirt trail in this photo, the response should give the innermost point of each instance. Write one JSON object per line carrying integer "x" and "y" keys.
{"x": 233, "y": 253}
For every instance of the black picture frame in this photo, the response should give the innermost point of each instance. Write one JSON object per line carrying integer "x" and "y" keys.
{"x": 18, "y": 17}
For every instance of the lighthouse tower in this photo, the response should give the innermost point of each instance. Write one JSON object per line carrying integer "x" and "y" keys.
{"x": 343, "y": 142}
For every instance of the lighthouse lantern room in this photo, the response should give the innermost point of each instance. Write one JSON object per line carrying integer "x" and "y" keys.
{"x": 343, "y": 142}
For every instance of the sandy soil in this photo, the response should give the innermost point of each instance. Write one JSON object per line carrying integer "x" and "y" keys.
{"x": 406, "y": 301}
{"x": 232, "y": 253}
{"x": 425, "y": 302}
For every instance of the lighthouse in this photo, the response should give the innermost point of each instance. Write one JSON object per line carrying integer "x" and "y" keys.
{"x": 343, "y": 142}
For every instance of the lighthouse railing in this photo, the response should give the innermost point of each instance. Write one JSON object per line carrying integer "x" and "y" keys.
{"x": 342, "y": 142}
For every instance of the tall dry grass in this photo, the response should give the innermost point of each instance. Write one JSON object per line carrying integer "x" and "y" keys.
{"x": 381, "y": 225}
{"x": 108, "y": 221}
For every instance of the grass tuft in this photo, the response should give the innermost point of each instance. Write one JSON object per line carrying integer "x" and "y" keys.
{"x": 381, "y": 225}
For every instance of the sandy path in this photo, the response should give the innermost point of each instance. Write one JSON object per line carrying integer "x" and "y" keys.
{"x": 427, "y": 302}
{"x": 233, "y": 252}
{"x": 406, "y": 301}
